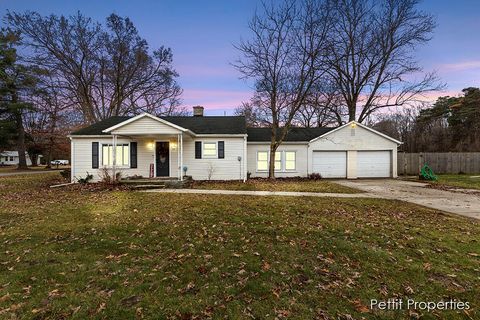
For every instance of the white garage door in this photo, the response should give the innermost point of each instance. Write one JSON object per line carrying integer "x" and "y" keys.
{"x": 373, "y": 164}
{"x": 330, "y": 164}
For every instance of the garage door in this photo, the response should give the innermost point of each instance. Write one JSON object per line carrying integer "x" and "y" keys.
{"x": 330, "y": 164}
{"x": 373, "y": 164}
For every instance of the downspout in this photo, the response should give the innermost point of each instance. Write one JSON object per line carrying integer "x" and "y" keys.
{"x": 181, "y": 156}
{"x": 72, "y": 163}
{"x": 114, "y": 157}
{"x": 179, "y": 169}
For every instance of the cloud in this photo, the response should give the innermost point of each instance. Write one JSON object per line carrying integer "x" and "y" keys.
{"x": 460, "y": 66}
{"x": 214, "y": 99}
{"x": 190, "y": 71}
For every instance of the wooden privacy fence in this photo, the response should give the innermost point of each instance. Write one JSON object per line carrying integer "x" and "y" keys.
{"x": 440, "y": 162}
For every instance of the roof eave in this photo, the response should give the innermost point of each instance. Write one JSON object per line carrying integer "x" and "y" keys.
{"x": 121, "y": 124}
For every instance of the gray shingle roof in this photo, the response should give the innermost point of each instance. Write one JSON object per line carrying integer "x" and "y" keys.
{"x": 199, "y": 125}
{"x": 213, "y": 125}
{"x": 294, "y": 134}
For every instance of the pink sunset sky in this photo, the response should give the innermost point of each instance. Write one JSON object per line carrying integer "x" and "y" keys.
{"x": 202, "y": 34}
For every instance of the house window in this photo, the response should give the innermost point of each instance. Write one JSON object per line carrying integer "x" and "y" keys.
{"x": 12, "y": 159}
{"x": 209, "y": 149}
{"x": 122, "y": 156}
{"x": 262, "y": 160}
{"x": 284, "y": 161}
{"x": 278, "y": 161}
{"x": 290, "y": 159}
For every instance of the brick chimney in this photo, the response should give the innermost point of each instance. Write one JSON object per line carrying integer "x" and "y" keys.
{"x": 198, "y": 111}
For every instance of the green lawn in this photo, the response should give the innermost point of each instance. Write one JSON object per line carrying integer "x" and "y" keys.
{"x": 77, "y": 253}
{"x": 301, "y": 185}
{"x": 460, "y": 180}
{"x": 12, "y": 169}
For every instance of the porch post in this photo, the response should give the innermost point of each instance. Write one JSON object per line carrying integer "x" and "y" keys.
{"x": 181, "y": 156}
{"x": 114, "y": 156}
{"x": 179, "y": 173}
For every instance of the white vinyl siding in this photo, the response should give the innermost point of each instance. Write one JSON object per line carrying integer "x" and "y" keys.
{"x": 147, "y": 126}
{"x": 228, "y": 168}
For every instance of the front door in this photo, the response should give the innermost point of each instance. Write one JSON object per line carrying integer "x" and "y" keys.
{"x": 162, "y": 159}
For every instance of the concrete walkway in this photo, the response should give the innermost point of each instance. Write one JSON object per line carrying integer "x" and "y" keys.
{"x": 415, "y": 192}
{"x": 264, "y": 193}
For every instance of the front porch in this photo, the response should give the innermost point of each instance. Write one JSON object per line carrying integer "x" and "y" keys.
{"x": 156, "y": 146}
{"x": 155, "y": 157}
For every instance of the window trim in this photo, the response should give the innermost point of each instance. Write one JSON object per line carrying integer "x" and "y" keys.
{"x": 209, "y": 156}
{"x": 256, "y": 163}
{"x": 283, "y": 160}
{"x": 116, "y": 166}
{"x": 294, "y": 161}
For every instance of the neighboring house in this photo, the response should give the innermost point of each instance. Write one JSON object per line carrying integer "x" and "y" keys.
{"x": 11, "y": 158}
{"x": 222, "y": 148}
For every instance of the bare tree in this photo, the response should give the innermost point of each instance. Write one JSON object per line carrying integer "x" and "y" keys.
{"x": 251, "y": 114}
{"x": 104, "y": 70}
{"x": 284, "y": 58}
{"x": 48, "y": 124}
{"x": 372, "y": 45}
{"x": 322, "y": 107}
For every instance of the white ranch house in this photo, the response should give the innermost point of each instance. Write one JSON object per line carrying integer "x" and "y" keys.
{"x": 223, "y": 148}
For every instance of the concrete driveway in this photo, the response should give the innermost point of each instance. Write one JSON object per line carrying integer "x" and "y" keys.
{"x": 415, "y": 192}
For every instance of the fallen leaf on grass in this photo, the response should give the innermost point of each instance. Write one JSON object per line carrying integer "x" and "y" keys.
{"x": 130, "y": 301}
{"x": 5, "y": 297}
{"x": 265, "y": 266}
{"x": 360, "y": 307}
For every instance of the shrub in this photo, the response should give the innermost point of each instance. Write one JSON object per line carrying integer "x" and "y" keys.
{"x": 66, "y": 174}
{"x": 85, "y": 180}
{"x": 314, "y": 176}
{"x": 106, "y": 175}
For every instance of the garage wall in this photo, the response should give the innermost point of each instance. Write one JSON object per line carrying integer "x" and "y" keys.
{"x": 301, "y": 160}
{"x": 353, "y": 140}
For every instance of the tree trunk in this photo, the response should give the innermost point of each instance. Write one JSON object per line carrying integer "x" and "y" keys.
{"x": 352, "y": 110}
{"x": 34, "y": 158}
{"x": 271, "y": 161}
{"x": 22, "y": 159}
{"x": 49, "y": 157}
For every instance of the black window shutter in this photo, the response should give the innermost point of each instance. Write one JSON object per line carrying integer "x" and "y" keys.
{"x": 198, "y": 149}
{"x": 221, "y": 149}
{"x": 133, "y": 154}
{"x": 95, "y": 155}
